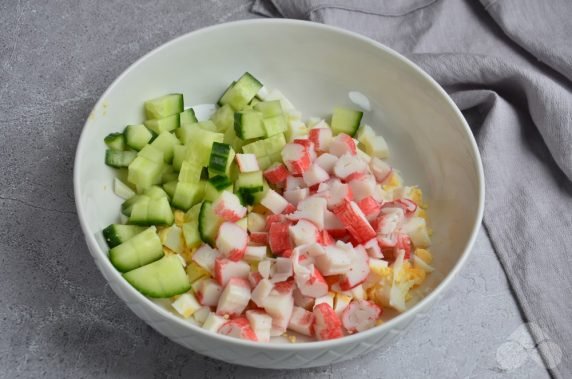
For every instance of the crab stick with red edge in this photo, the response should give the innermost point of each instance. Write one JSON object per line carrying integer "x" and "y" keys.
{"x": 327, "y": 324}
{"x": 360, "y": 315}
{"x": 279, "y": 237}
{"x": 231, "y": 241}
{"x": 302, "y": 321}
{"x": 321, "y": 137}
{"x": 225, "y": 270}
{"x": 276, "y": 174}
{"x": 359, "y": 270}
{"x": 296, "y": 158}
{"x": 238, "y": 328}
{"x": 343, "y": 144}
{"x": 355, "y": 221}
{"x": 234, "y": 297}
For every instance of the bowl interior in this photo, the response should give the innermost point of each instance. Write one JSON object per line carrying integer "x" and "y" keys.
{"x": 316, "y": 68}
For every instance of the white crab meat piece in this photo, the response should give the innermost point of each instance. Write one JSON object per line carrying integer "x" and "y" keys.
{"x": 281, "y": 270}
{"x": 349, "y": 165}
{"x": 335, "y": 261}
{"x": 327, "y": 161}
{"x": 225, "y": 270}
{"x": 261, "y": 323}
{"x": 228, "y": 207}
{"x": 300, "y": 300}
{"x": 311, "y": 209}
{"x": 213, "y": 322}
{"x": 261, "y": 291}
{"x": 234, "y": 298}
{"x": 247, "y": 162}
{"x": 209, "y": 292}
{"x": 301, "y": 321}
{"x": 274, "y": 202}
{"x": 328, "y": 298}
{"x": 360, "y": 315}
{"x": 304, "y": 232}
{"x": 294, "y": 182}
{"x": 238, "y": 328}
{"x": 315, "y": 175}
{"x": 254, "y": 253}
{"x": 295, "y": 196}
{"x": 310, "y": 281}
{"x": 343, "y": 144}
{"x": 359, "y": 270}
{"x": 363, "y": 187}
{"x": 231, "y": 241}
{"x": 205, "y": 256}
{"x": 186, "y": 305}
{"x": 380, "y": 169}
{"x": 321, "y": 136}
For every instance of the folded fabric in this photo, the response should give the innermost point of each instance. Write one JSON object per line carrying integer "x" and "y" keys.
{"x": 508, "y": 66}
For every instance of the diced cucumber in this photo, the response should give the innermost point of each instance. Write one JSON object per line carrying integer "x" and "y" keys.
{"x": 166, "y": 143}
{"x": 191, "y": 234}
{"x": 155, "y": 192}
{"x": 215, "y": 185}
{"x": 209, "y": 223}
{"x": 274, "y": 125}
{"x": 122, "y": 190}
{"x": 248, "y": 125}
{"x": 258, "y": 196}
{"x": 116, "y": 234}
{"x": 239, "y": 94}
{"x": 188, "y": 194}
{"x": 137, "y": 136}
{"x": 207, "y": 125}
{"x": 164, "y": 106}
{"x": 199, "y": 144}
{"x": 267, "y": 150}
{"x": 190, "y": 172}
{"x": 127, "y": 205}
{"x": 165, "y": 124}
{"x": 187, "y": 117}
{"x": 152, "y": 153}
{"x": 193, "y": 213}
{"x": 269, "y": 108}
{"x": 248, "y": 184}
{"x": 223, "y": 118}
{"x": 345, "y": 120}
{"x": 115, "y": 141}
{"x": 169, "y": 174}
{"x": 170, "y": 187}
{"x": 141, "y": 249}
{"x": 231, "y": 139}
{"x": 151, "y": 212}
{"x": 179, "y": 152}
{"x": 118, "y": 159}
{"x": 222, "y": 156}
{"x": 161, "y": 279}
{"x": 144, "y": 172}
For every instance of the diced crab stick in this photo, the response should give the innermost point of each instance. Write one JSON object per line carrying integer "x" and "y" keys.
{"x": 355, "y": 221}
{"x": 309, "y": 145}
{"x": 370, "y": 207}
{"x": 213, "y": 322}
{"x": 389, "y": 220}
{"x": 247, "y": 162}
{"x": 380, "y": 169}
{"x": 209, "y": 292}
{"x": 296, "y": 158}
{"x": 404, "y": 243}
{"x": 254, "y": 278}
{"x": 205, "y": 256}
{"x": 281, "y": 270}
{"x": 416, "y": 229}
{"x": 261, "y": 323}
{"x": 409, "y": 206}
{"x": 321, "y": 137}
{"x": 294, "y": 197}
{"x": 300, "y": 300}
{"x": 304, "y": 232}
{"x": 255, "y": 253}
{"x": 335, "y": 261}
{"x": 358, "y": 271}
{"x": 363, "y": 187}
{"x": 231, "y": 241}
{"x": 276, "y": 174}
{"x": 326, "y": 238}
{"x": 285, "y": 287}
{"x": 327, "y": 324}
{"x": 294, "y": 182}
{"x": 386, "y": 241}
{"x": 327, "y": 298}
{"x": 315, "y": 175}
{"x": 277, "y": 218}
{"x": 225, "y": 270}
{"x": 264, "y": 268}
{"x": 260, "y": 238}
{"x": 228, "y": 207}
{"x": 360, "y": 315}
{"x": 279, "y": 237}
{"x": 280, "y": 307}
{"x": 327, "y": 161}
{"x": 261, "y": 291}
{"x": 274, "y": 202}
{"x": 373, "y": 249}
{"x": 234, "y": 297}
{"x": 311, "y": 209}
{"x": 343, "y": 144}
{"x": 341, "y": 301}
{"x": 349, "y": 165}
{"x": 310, "y": 282}
{"x": 238, "y": 328}
{"x": 301, "y": 321}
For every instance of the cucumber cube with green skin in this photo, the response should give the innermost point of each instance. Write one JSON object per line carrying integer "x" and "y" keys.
{"x": 209, "y": 223}
{"x": 239, "y": 94}
{"x": 141, "y": 249}
{"x": 155, "y": 192}
{"x": 193, "y": 213}
{"x": 188, "y": 194}
{"x": 115, "y": 141}
{"x": 119, "y": 159}
{"x": 215, "y": 186}
{"x": 179, "y": 152}
{"x": 267, "y": 150}
{"x": 222, "y": 156}
{"x": 190, "y": 172}
{"x": 161, "y": 279}
{"x": 346, "y": 120}
{"x": 152, "y": 153}
{"x": 137, "y": 136}
{"x": 170, "y": 187}
{"x": 152, "y": 212}
{"x": 127, "y": 205}
{"x": 191, "y": 234}
{"x": 164, "y": 106}
{"x": 199, "y": 144}
{"x": 116, "y": 234}
{"x": 187, "y": 117}
{"x": 248, "y": 125}
{"x": 274, "y": 125}
{"x": 166, "y": 124}
{"x": 207, "y": 125}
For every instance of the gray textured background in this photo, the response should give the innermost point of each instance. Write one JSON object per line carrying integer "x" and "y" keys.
{"x": 58, "y": 318}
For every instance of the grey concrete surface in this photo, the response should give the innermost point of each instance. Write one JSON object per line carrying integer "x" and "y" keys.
{"x": 58, "y": 318}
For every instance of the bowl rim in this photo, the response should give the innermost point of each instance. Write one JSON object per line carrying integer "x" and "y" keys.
{"x": 286, "y": 347}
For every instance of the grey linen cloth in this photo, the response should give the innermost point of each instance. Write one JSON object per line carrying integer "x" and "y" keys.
{"x": 508, "y": 66}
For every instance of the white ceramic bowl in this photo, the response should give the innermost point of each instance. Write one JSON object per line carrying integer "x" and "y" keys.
{"x": 316, "y": 66}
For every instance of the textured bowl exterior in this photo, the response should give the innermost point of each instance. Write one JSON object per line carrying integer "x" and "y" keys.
{"x": 431, "y": 142}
